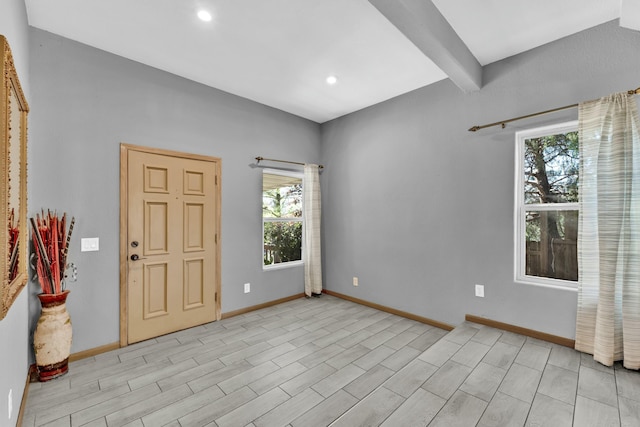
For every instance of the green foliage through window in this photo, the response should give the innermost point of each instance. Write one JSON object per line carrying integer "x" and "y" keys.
{"x": 282, "y": 242}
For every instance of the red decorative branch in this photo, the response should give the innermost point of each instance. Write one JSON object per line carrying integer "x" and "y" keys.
{"x": 51, "y": 242}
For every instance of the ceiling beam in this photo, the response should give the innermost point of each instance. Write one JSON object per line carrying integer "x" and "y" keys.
{"x": 630, "y": 14}
{"x": 422, "y": 23}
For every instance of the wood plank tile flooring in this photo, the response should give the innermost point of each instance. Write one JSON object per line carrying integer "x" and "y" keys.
{"x": 325, "y": 361}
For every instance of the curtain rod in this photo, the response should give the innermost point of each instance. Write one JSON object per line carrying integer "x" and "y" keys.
{"x": 503, "y": 123}
{"x": 259, "y": 159}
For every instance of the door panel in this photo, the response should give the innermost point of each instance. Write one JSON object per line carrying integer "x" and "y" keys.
{"x": 156, "y": 227}
{"x": 193, "y": 227}
{"x": 156, "y": 179}
{"x": 155, "y": 290}
{"x": 172, "y": 243}
{"x": 194, "y": 183}
{"x": 193, "y": 283}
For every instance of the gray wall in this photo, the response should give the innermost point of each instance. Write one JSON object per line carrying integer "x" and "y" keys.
{"x": 85, "y": 103}
{"x": 14, "y": 332}
{"x": 420, "y": 209}
{"x": 414, "y": 205}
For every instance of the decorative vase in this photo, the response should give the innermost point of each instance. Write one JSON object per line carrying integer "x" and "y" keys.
{"x": 52, "y": 338}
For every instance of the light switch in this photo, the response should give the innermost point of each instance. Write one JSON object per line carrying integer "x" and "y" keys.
{"x": 90, "y": 244}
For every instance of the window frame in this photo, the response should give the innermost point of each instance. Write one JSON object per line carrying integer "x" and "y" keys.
{"x": 520, "y": 208}
{"x": 287, "y": 264}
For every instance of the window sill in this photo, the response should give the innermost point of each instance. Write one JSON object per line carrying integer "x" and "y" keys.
{"x": 563, "y": 285}
{"x": 282, "y": 265}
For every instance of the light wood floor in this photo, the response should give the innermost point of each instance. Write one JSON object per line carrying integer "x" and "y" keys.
{"x": 326, "y": 361}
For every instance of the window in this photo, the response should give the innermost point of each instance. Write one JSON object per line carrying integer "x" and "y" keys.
{"x": 281, "y": 218}
{"x": 546, "y": 201}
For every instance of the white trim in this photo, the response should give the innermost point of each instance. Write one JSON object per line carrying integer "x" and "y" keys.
{"x": 293, "y": 174}
{"x": 282, "y": 219}
{"x": 565, "y": 127}
{"x": 282, "y": 265}
{"x": 545, "y": 282}
{"x": 551, "y": 207}
{"x": 520, "y": 209}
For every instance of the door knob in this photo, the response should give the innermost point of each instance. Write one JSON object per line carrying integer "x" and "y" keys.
{"x": 135, "y": 257}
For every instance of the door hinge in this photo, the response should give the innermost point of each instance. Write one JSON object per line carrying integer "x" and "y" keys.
{"x": 216, "y": 296}
{"x": 216, "y": 179}
{"x": 216, "y": 238}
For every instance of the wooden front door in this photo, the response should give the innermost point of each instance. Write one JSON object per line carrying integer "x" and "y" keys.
{"x": 172, "y": 248}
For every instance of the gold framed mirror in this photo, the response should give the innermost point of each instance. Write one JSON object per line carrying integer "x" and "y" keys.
{"x": 13, "y": 190}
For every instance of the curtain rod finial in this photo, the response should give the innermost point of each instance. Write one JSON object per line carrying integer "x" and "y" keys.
{"x": 474, "y": 128}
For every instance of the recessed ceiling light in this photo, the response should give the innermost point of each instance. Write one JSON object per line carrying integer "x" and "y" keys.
{"x": 331, "y": 80}
{"x": 204, "y": 15}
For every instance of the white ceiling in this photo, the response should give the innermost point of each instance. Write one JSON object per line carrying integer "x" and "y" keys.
{"x": 279, "y": 52}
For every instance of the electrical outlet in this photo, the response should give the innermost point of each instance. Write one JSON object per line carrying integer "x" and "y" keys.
{"x": 247, "y": 288}
{"x": 480, "y": 291}
{"x": 355, "y": 281}
{"x": 10, "y": 402}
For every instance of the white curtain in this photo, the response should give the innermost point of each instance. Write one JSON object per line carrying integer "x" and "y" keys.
{"x": 311, "y": 217}
{"x": 608, "y": 320}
